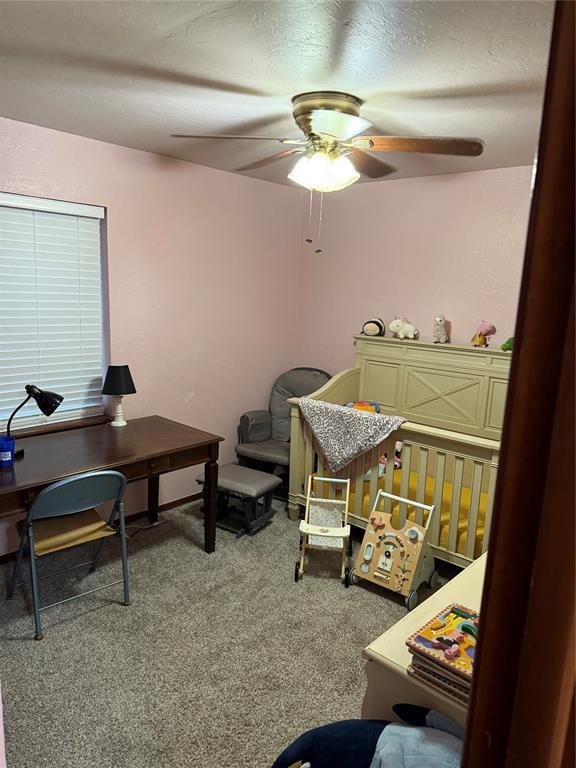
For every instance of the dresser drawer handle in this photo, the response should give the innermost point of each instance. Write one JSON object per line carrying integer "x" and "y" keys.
{"x": 153, "y": 465}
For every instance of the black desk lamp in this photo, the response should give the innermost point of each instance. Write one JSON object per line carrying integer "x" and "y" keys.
{"x": 46, "y": 401}
{"x": 118, "y": 382}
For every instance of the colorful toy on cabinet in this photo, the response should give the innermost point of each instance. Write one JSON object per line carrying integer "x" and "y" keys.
{"x": 397, "y": 557}
{"x": 439, "y": 333}
{"x": 508, "y": 345}
{"x": 483, "y": 333}
{"x": 373, "y": 327}
{"x": 402, "y": 329}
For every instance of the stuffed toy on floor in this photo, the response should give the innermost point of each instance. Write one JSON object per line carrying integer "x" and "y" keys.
{"x": 428, "y": 739}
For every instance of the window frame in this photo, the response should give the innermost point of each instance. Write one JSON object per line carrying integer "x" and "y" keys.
{"x": 52, "y": 205}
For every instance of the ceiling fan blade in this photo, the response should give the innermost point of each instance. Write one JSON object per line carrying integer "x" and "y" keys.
{"x": 124, "y": 68}
{"x": 370, "y": 166}
{"x": 426, "y": 144}
{"x": 271, "y": 159}
{"x": 341, "y": 18}
{"x": 471, "y": 91}
{"x": 224, "y": 136}
{"x": 481, "y": 90}
{"x": 337, "y": 124}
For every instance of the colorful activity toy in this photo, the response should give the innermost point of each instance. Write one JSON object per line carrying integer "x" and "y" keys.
{"x": 394, "y": 553}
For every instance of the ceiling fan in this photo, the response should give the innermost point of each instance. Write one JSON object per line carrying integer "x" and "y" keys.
{"x": 334, "y": 150}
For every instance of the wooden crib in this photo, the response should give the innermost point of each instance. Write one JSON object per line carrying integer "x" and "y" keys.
{"x": 453, "y": 399}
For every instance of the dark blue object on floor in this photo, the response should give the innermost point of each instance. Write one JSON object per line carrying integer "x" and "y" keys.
{"x": 337, "y": 745}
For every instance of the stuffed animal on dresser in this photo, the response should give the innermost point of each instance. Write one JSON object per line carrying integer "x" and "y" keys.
{"x": 403, "y": 329}
{"x": 439, "y": 334}
{"x": 483, "y": 333}
{"x": 373, "y": 327}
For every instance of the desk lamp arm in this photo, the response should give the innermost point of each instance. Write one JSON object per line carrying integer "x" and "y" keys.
{"x": 14, "y": 412}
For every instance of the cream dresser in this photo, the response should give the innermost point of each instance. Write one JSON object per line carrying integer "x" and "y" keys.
{"x": 388, "y": 681}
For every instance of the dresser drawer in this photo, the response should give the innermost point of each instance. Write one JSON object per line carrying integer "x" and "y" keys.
{"x": 146, "y": 468}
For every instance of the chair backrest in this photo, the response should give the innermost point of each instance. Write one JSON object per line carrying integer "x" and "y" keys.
{"x": 327, "y": 501}
{"x": 296, "y": 382}
{"x": 78, "y": 493}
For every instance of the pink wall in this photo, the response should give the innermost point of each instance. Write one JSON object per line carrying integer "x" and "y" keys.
{"x": 212, "y": 293}
{"x": 416, "y": 247}
{"x": 201, "y": 272}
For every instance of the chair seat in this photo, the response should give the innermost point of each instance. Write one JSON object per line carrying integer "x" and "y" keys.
{"x": 339, "y": 532}
{"x": 272, "y": 451}
{"x": 52, "y": 534}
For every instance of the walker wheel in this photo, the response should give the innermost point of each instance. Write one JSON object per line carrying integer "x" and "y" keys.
{"x": 411, "y": 600}
{"x": 354, "y": 578}
{"x": 434, "y": 580}
{"x": 346, "y": 580}
{"x": 297, "y": 572}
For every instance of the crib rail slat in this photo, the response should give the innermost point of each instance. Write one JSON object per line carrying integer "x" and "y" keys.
{"x": 321, "y": 470}
{"x": 405, "y": 481}
{"x": 357, "y": 472}
{"x": 434, "y": 530}
{"x": 474, "y": 508}
{"x": 375, "y": 454}
{"x": 309, "y": 453}
{"x": 388, "y": 449}
{"x": 422, "y": 475}
{"x": 455, "y": 505}
{"x": 490, "y": 502}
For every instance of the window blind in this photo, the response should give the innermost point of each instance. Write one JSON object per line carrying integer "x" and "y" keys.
{"x": 50, "y": 307}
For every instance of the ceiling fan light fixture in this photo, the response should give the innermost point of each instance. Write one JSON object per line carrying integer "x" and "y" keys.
{"x": 320, "y": 170}
{"x": 301, "y": 173}
{"x": 343, "y": 173}
{"x": 324, "y": 173}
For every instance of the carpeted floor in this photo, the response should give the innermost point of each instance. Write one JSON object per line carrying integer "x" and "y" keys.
{"x": 220, "y": 661}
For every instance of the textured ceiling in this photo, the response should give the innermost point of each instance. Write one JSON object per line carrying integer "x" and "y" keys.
{"x": 131, "y": 73}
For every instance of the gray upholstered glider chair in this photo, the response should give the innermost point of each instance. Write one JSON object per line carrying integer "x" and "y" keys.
{"x": 264, "y": 436}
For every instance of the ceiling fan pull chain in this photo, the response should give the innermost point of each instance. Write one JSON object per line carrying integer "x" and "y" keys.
{"x": 309, "y": 238}
{"x": 319, "y": 250}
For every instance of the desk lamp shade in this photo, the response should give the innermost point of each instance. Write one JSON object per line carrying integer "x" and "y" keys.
{"x": 46, "y": 401}
{"x": 118, "y": 382}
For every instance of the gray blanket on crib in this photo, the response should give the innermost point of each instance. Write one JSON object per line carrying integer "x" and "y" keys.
{"x": 344, "y": 433}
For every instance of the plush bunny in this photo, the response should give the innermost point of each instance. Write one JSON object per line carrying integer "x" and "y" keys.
{"x": 439, "y": 335}
{"x": 403, "y": 329}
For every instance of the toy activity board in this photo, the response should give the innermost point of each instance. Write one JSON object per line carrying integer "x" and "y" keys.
{"x": 447, "y": 641}
{"x": 397, "y": 558}
{"x": 325, "y": 525}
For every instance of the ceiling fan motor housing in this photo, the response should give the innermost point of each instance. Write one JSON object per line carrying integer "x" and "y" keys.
{"x": 306, "y": 103}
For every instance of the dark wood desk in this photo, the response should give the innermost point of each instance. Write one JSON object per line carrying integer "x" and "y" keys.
{"x": 143, "y": 450}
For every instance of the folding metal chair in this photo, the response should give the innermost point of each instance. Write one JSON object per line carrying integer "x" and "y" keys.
{"x": 62, "y": 516}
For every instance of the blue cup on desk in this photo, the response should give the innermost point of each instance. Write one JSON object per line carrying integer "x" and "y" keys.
{"x": 6, "y": 451}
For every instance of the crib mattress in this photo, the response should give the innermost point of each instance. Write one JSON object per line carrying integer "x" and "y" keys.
{"x": 462, "y": 537}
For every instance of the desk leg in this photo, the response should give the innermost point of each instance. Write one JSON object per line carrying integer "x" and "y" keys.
{"x": 153, "y": 498}
{"x": 210, "y": 496}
